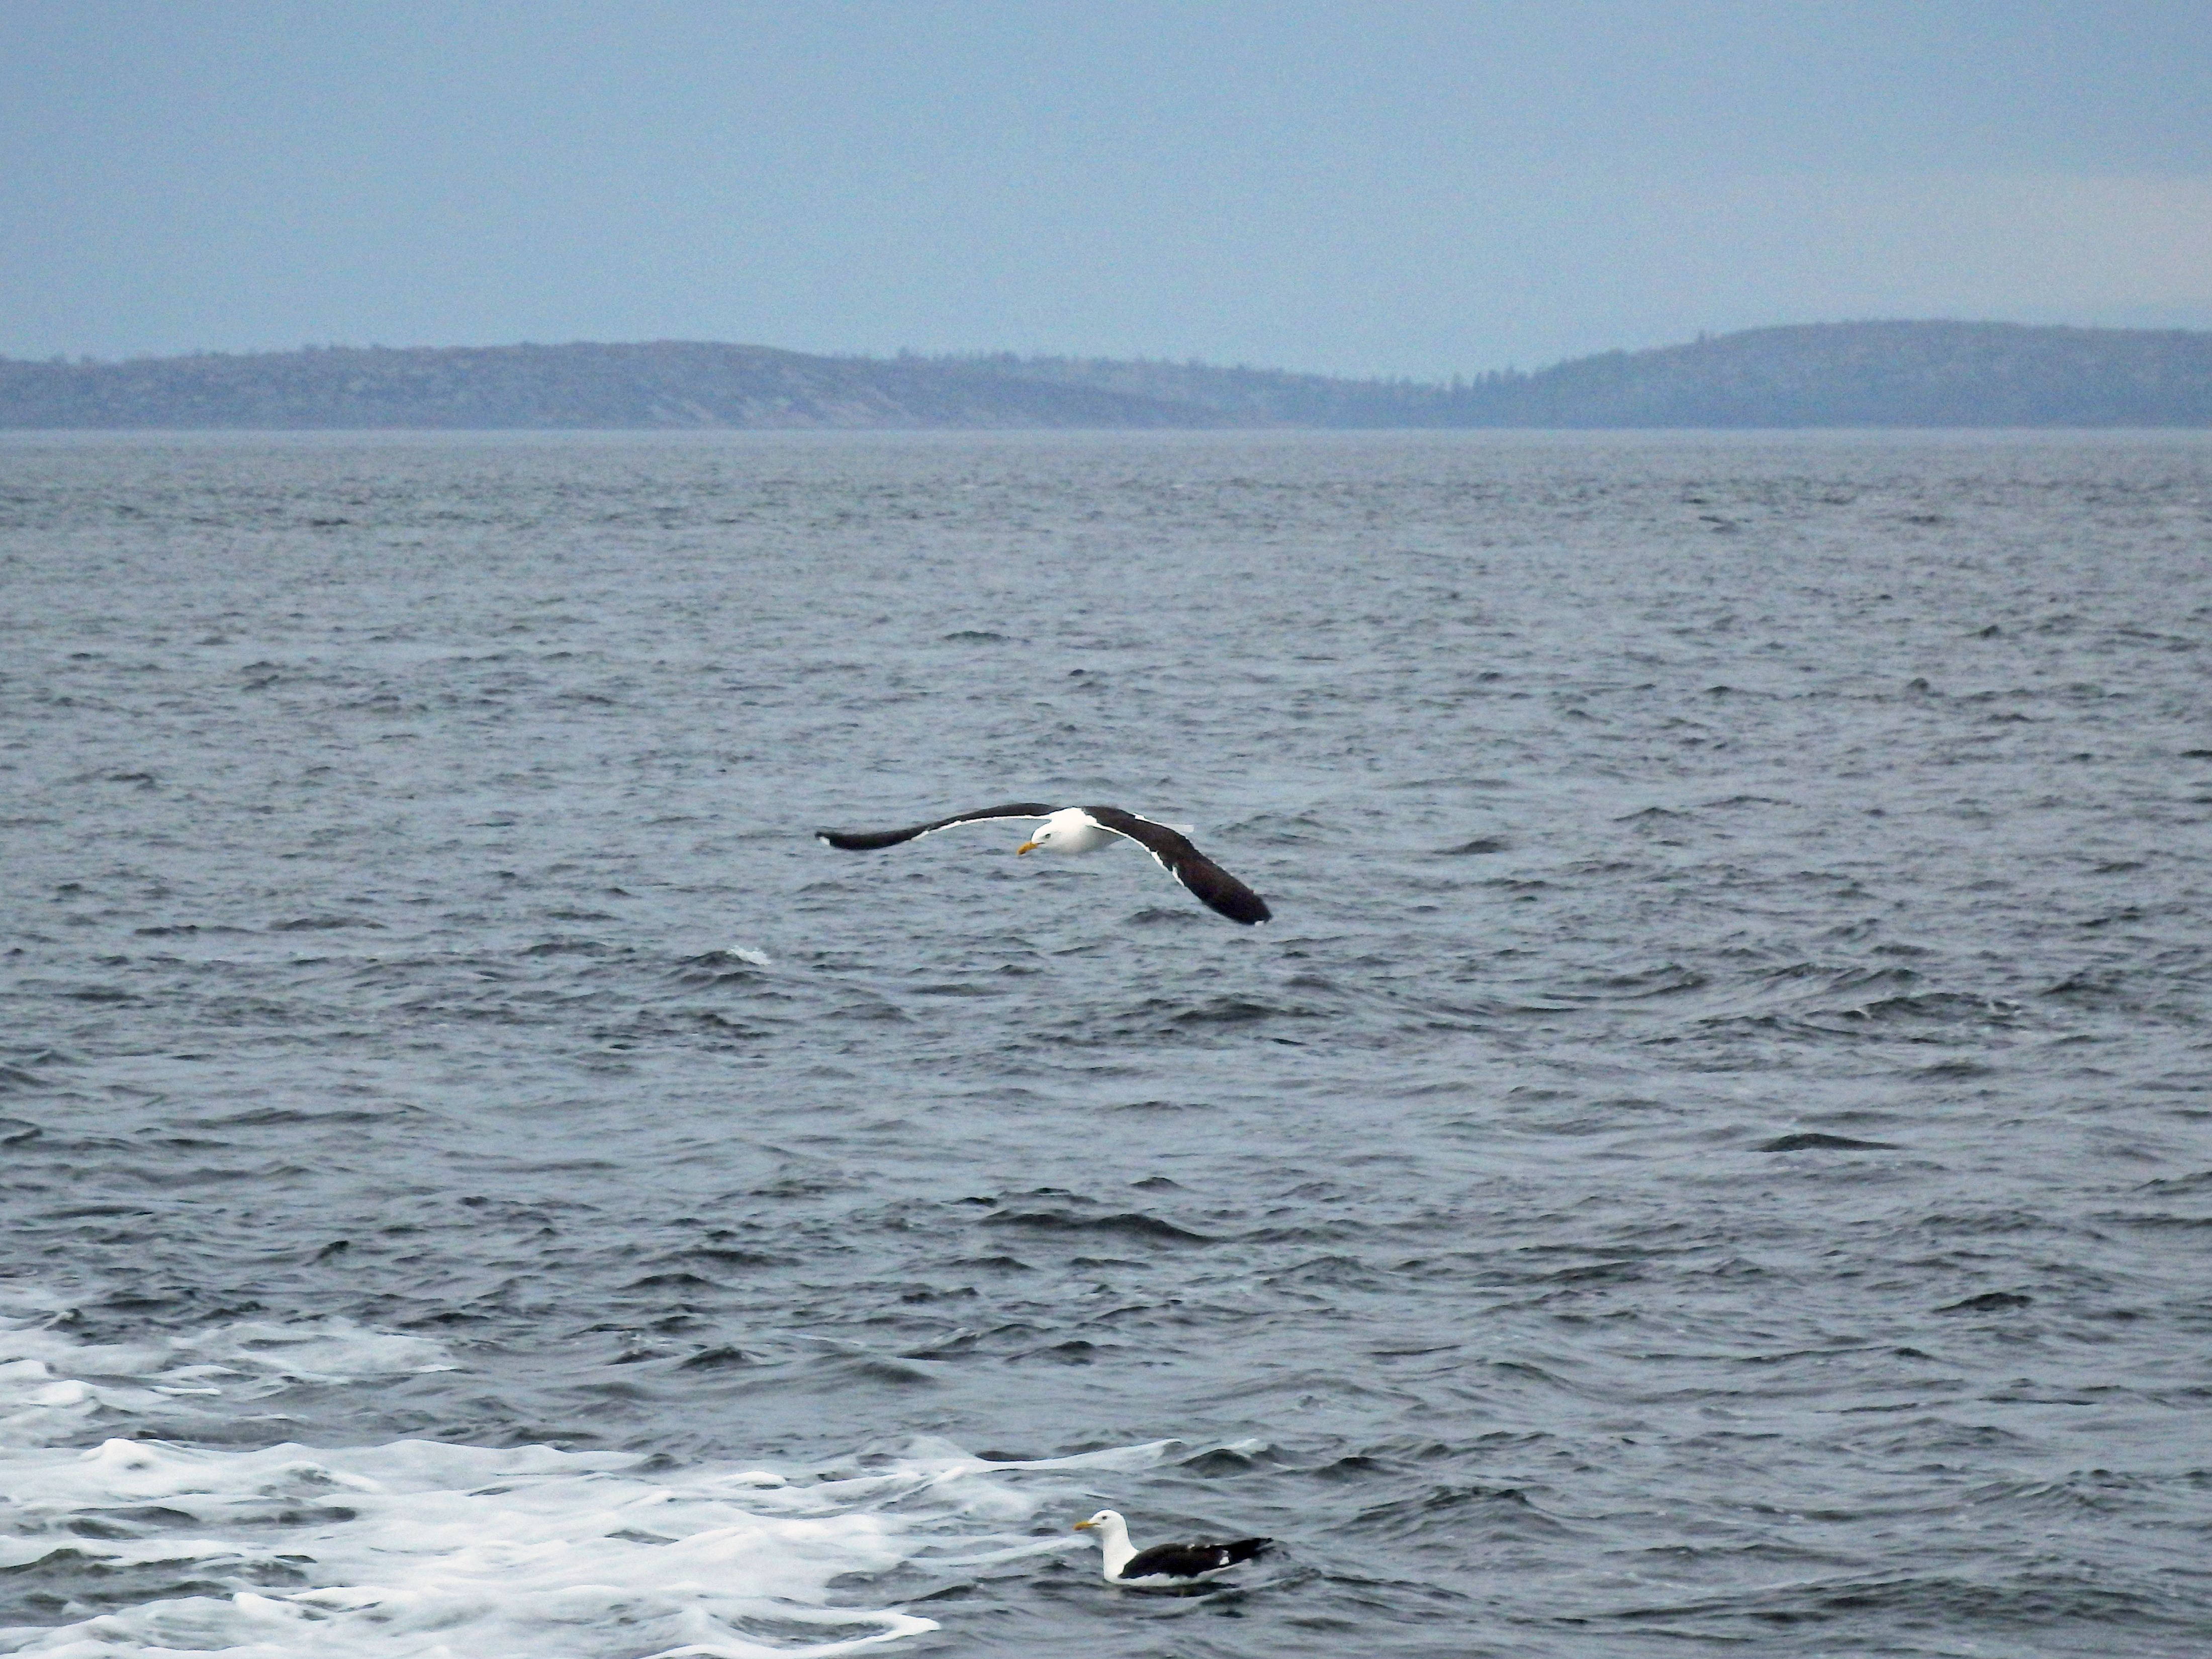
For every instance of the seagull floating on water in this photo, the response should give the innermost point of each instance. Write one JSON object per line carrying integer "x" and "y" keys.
{"x": 1085, "y": 830}
{"x": 1163, "y": 1566}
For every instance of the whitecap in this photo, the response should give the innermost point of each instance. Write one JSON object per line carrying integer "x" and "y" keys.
{"x": 53, "y": 1388}
{"x": 423, "y": 1549}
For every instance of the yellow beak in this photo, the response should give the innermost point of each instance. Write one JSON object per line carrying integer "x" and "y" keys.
{"x": 1026, "y": 847}
{"x": 1080, "y": 1526}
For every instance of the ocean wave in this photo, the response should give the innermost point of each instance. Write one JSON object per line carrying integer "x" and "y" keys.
{"x": 54, "y": 1389}
{"x": 419, "y": 1547}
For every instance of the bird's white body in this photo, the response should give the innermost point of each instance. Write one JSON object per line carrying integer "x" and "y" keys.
{"x": 1071, "y": 829}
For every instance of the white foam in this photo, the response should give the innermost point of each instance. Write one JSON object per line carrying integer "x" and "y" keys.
{"x": 54, "y": 1389}
{"x": 421, "y": 1548}
{"x": 429, "y": 1550}
{"x": 424, "y": 1550}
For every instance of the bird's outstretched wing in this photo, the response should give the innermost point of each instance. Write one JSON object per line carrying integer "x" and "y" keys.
{"x": 869, "y": 841}
{"x": 1215, "y": 887}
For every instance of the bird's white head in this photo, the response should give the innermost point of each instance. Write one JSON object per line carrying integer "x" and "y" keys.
{"x": 1104, "y": 1521}
{"x": 1061, "y": 832}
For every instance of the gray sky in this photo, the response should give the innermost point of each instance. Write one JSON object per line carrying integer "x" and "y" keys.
{"x": 1344, "y": 186}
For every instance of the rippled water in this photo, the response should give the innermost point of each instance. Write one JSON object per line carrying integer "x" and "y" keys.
{"x": 1714, "y": 1153}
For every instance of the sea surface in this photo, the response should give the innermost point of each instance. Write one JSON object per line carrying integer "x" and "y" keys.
{"x": 1712, "y": 1156}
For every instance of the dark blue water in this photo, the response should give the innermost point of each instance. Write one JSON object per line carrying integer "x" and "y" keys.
{"x": 1713, "y": 1154}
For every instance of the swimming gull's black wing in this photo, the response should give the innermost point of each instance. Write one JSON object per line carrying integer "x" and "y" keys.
{"x": 868, "y": 840}
{"x": 1215, "y": 887}
{"x": 1190, "y": 1560}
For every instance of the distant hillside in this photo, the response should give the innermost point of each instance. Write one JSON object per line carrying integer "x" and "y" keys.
{"x": 1923, "y": 374}
{"x": 663, "y": 384}
{"x": 1254, "y": 396}
{"x": 1859, "y": 375}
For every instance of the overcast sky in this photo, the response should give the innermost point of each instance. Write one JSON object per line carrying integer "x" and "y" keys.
{"x": 1352, "y": 186}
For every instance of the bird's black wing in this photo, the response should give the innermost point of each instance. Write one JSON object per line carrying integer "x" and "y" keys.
{"x": 868, "y": 840}
{"x": 1216, "y": 887}
{"x": 1190, "y": 1560}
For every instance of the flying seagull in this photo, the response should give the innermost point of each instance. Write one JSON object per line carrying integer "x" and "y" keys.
{"x": 1163, "y": 1566}
{"x": 1085, "y": 830}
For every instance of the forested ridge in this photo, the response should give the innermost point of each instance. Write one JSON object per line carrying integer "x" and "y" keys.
{"x": 1843, "y": 374}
